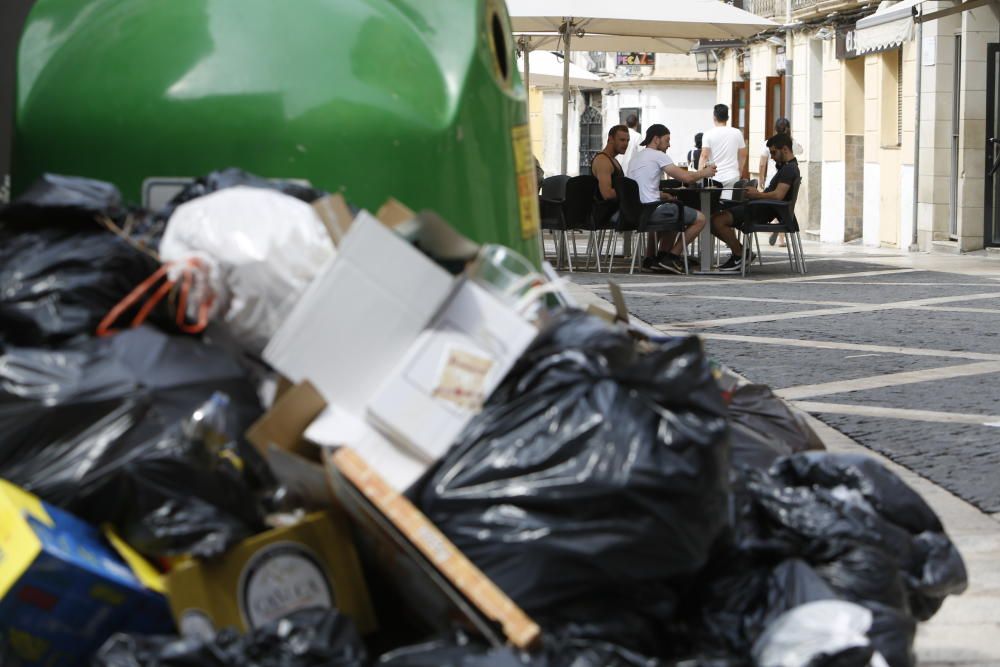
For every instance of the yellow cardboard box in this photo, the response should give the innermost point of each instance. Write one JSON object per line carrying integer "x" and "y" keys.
{"x": 265, "y": 577}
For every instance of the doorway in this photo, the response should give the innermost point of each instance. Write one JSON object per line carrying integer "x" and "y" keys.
{"x": 991, "y": 226}
{"x": 741, "y": 108}
{"x": 775, "y": 102}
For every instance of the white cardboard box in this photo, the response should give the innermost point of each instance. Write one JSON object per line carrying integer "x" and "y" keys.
{"x": 359, "y": 316}
{"x": 449, "y": 371}
{"x": 388, "y": 337}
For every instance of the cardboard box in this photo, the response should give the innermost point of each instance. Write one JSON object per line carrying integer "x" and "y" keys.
{"x": 388, "y": 338}
{"x": 421, "y": 563}
{"x": 65, "y": 588}
{"x": 449, "y": 371}
{"x": 265, "y": 577}
{"x": 359, "y": 316}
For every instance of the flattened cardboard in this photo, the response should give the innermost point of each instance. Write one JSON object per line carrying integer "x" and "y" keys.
{"x": 285, "y": 423}
{"x": 395, "y": 522}
{"x": 336, "y": 216}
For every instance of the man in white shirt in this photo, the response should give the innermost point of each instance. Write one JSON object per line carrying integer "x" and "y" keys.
{"x": 647, "y": 169}
{"x": 634, "y": 139}
{"x": 725, "y": 147}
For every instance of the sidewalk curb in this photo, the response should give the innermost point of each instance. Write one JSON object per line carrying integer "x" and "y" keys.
{"x": 963, "y": 633}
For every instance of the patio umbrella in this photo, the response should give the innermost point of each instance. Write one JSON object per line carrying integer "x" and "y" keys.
{"x": 658, "y": 19}
{"x": 547, "y": 70}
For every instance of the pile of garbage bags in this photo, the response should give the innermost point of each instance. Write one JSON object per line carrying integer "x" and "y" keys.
{"x": 640, "y": 503}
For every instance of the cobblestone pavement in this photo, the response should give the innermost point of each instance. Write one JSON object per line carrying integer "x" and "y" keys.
{"x": 904, "y": 360}
{"x": 894, "y": 352}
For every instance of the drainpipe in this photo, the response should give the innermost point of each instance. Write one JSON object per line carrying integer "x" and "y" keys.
{"x": 788, "y": 62}
{"x": 914, "y": 247}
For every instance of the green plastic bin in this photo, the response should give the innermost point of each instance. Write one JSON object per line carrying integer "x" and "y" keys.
{"x": 415, "y": 99}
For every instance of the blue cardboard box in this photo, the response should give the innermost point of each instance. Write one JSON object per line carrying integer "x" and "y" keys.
{"x": 65, "y": 586}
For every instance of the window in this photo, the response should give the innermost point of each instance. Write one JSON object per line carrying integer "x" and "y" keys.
{"x": 591, "y": 137}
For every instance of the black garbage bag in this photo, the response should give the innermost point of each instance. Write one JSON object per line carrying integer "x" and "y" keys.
{"x": 61, "y": 271}
{"x": 555, "y": 652}
{"x": 751, "y": 449}
{"x": 104, "y": 428}
{"x": 756, "y": 407}
{"x": 824, "y": 633}
{"x": 59, "y": 282}
{"x": 305, "y": 638}
{"x": 597, "y": 471}
{"x": 862, "y": 573}
{"x": 890, "y": 516}
{"x": 740, "y": 599}
{"x": 866, "y": 536}
{"x": 55, "y": 198}
{"x": 231, "y": 177}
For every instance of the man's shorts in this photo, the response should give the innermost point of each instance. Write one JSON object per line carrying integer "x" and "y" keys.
{"x": 761, "y": 214}
{"x": 668, "y": 213}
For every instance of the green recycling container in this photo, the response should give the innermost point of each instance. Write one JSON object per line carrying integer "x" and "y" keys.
{"x": 414, "y": 99}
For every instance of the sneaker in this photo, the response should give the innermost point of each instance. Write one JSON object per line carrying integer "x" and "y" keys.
{"x": 735, "y": 262}
{"x": 651, "y": 264}
{"x": 773, "y": 238}
{"x": 670, "y": 263}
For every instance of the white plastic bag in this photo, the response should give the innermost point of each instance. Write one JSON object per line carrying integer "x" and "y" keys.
{"x": 257, "y": 249}
{"x": 803, "y": 633}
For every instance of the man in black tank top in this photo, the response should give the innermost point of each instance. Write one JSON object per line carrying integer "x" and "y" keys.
{"x": 607, "y": 171}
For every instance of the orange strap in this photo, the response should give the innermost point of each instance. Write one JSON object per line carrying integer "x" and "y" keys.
{"x": 133, "y": 297}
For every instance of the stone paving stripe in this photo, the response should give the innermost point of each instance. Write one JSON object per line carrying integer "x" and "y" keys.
{"x": 834, "y": 345}
{"x": 959, "y": 309}
{"x": 723, "y": 278}
{"x": 889, "y": 380}
{"x": 758, "y": 299}
{"x": 900, "y": 284}
{"x": 847, "y": 310}
{"x": 814, "y": 407}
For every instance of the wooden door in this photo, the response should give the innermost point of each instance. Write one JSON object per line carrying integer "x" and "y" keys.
{"x": 775, "y": 102}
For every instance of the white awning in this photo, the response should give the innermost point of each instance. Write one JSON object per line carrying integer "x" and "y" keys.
{"x": 547, "y": 71}
{"x": 888, "y": 28}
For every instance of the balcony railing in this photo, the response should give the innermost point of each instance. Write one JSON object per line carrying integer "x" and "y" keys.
{"x": 775, "y": 9}
{"x": 802, "y": 9}
{"x": 766, "y": 8}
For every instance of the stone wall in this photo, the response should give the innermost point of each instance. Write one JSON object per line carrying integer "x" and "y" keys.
{"x": 854, "y": 185}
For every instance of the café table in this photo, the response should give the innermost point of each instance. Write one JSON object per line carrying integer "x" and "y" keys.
{"x": 705, "y": 199}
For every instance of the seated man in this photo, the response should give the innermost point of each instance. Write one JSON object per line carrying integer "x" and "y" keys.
{"x": 647, "y": 168}
{"x": 607, "y": 170}
{"x": 780, "y": 189}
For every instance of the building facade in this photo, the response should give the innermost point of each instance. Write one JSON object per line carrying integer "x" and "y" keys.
{"x": 667, "y": 89}
{"x": 846, "y": 72}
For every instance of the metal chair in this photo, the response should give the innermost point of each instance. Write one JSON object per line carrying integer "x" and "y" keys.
{"x": 759, "y": 216}
{"x": 634, "y": 216}
{"x": 552, "y": 212}
{"x": 580, "y": 213}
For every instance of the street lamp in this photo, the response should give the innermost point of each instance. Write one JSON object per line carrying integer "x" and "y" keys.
{"x": 707, "y": 61}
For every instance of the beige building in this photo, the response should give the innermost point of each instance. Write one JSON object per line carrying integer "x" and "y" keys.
{"x": 845, "y": 72}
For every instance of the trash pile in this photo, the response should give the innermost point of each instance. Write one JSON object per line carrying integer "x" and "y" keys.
{"x": 263, "y": 427}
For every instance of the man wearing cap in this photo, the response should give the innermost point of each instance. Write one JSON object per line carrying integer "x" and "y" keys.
{"x": 647, "y": 168}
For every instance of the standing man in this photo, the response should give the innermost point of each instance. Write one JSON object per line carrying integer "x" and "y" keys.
{"x": 768, "y": 168}
{"x": 606, "y": 169}
{"x": 634, "y": 138}
{"x": 724, "y": 146}
{"x": 780, "y": 189}
{"x": 646, "y": 169}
